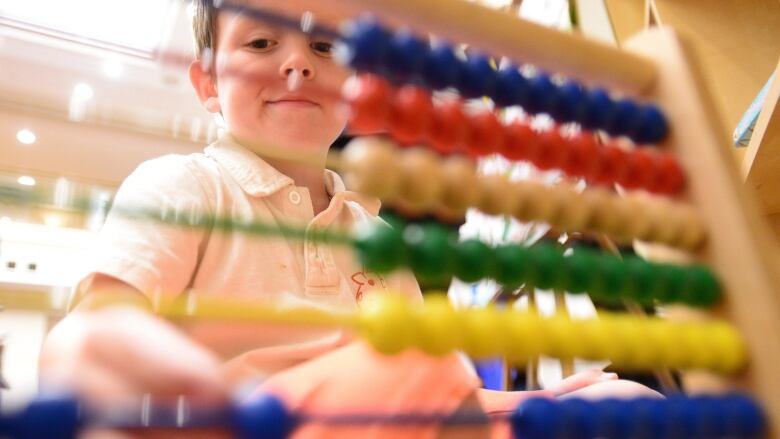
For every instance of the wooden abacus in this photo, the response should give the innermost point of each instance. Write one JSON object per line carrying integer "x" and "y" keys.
{"x": 658, "y": 67}
{"x": 712, "y": 217}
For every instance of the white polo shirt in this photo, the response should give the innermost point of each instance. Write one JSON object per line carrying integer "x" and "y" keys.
{"x": 228, "y": 180}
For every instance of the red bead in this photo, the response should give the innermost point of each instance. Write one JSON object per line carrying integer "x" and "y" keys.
{"x": 670, "y": 176}
{"x": 485, "y": 135}
{"x": 612, "y": 165}
{"x": 641, "y": 170}
{"x": 449, "y": 127}
{"x": 411, "y": 114}
{"x": 583, "y": 157}
{"x": 520, "y": 142}
{"x": 369, "y": 101}
{"x": 553, "y": 151}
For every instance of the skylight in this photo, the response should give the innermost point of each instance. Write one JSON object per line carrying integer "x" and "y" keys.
{"x": 130, "y": 24}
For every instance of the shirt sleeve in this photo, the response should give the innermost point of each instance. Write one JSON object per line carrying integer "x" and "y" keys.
{"x": 145, "y": 241}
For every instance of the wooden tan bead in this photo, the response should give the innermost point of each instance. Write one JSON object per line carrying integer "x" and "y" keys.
{"x": 640, "y": 224}
{"x": 370, "y": 166}
{"x": 552, "y": 208}
{"x": 622, "y": 216}
{"x": 421, "y": 182}
{"x": 530, "y": 200}
{"x": 664, "y": 228}
{"x": 576, "y": 214}
{"x": 691, "y": 229}
{"x": 460, "y": 188}
{"x": 601, "y": 202}
{"x": 496, "y": 195}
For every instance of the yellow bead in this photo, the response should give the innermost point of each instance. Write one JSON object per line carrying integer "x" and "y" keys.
{"x": 596, "y": 340}
{"x": 370, "y": 166}
{"x": 732, "y": 354}
{"x": 666, "y": 340}
{"x": 524, "y": 336}
{"x": 421, "y": 181}
{"x": 496, "y": 197}
{"x": 439, "y": 326}
{"x": 481, "y": 332}
{"x": 384, "y": 322}
{"x": 460, "y": 188}
{"x": 563, "y": 342}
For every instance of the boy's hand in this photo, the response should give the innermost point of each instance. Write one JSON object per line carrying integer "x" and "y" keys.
{"x": 114, "y": 356}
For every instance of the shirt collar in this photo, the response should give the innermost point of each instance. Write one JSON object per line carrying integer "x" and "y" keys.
{"x": 259, "y": 179}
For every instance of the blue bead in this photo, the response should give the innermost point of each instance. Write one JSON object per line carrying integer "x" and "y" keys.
{"x": 571, "y": 103}
{"x": 543, "y": 96}
{"x": 626, "y": 118}
{"x": 652, "y": 126}
{"x": 264, "y": 417}
{"x": 511, "y": 88}
{"x": 649, "y": 418}
{"x": 537, "y": 418}
{"x": 478, "y": 78}
{"x": 614, "y": 419}
{"x": 368, "y": 45}
{"x": 599, "y": 110}
{"x": 680, "y": 418}
{"x": 441, "y": 68}
{"x": 407, "y": 55}
{"x": 45, "y": 418}
{"x": 579, "y": 419}
{"x": 743, "y": 418}
{"x": 708, "y": 416}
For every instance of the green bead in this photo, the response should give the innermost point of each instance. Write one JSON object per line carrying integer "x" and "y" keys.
{"x": 430, "y": 251}
{"x": 510, "y": 264}
{"x": 473, "y": 260}
{"x": 701, "y": 287}
{"x": 641, "y": 284}
{"x": 610, "y": 278}
{"x": 546, "y": 263}
{"x": 380, "y": 248}
{"x": 578, "y": 271}
{"x": 672, "y": 279}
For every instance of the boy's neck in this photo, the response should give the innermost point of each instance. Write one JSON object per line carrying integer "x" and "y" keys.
{"x": 310, "y": 176}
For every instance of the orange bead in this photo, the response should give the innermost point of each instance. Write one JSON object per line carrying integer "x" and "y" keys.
{"x": 411, "y": 114}
{"x": 553, "y": 152}
{"x": 582, "y": 159}
{"x": 485, "y": 134}
{"x": 369, "y": 99}
{"x": 520, "y": 142}
{"x": 449, "y": 127}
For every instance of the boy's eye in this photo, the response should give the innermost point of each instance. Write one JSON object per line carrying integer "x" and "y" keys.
{"x": 322, "y": 47}
{"x": 262, "y": 44}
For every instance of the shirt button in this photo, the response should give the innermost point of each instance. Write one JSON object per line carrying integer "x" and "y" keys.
{"x": 294, "y": 197}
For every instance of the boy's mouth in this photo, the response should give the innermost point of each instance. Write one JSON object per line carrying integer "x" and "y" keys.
{"x": 293, "y": 100}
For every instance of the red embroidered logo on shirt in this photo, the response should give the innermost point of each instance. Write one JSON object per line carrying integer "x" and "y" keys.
{"x": 368, "y": 279}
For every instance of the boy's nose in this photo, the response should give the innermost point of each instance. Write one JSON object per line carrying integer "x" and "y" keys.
{"x": 299, "y": 64}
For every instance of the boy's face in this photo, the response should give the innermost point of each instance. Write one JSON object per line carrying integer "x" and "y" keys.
{"x": 259, "y": 102}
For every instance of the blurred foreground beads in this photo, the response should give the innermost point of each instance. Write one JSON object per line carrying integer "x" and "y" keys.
{"x": 677, "y": 417}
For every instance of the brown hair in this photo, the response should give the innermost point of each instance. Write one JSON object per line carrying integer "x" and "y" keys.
{"x": 204, "y": 25}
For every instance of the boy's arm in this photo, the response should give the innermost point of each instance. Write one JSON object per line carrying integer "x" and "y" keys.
{"x": 117, "y": 354}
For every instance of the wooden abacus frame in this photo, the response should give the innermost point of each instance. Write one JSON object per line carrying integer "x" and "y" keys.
{"x": 656, "y": 66}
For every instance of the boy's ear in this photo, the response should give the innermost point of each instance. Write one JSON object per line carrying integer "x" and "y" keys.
{"x": 203, "y": 82}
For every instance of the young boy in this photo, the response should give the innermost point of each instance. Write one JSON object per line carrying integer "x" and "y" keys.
{"x": 263, "y": 81}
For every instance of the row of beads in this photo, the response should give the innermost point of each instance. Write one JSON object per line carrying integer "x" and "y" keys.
{"x": 418, "y": 181}
{"x": 403, "y": 57}
{"x": 435, "y": 255}
{"x": 63, "y": 417}
{"x": 392, "y": 325}
{"x": 677, "y": 417}
{"x": 410, "y": 116}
